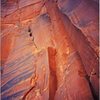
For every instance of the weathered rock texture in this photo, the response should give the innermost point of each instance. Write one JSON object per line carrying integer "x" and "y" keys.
{"x": 49, "y": 50}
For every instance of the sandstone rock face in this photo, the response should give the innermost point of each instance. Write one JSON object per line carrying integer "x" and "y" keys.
{"x": 49, "y": 50}
{"x": 84, "y": 15}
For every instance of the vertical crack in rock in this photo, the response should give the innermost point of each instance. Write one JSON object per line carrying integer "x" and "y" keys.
{"x": 33, "y": 83}
{"x": 95, "y": 95}
{"x": 53, "y": 77}
{"x": 67, "y": 70}
{"x": 31, "y": 35}
{"x": 75, "y": 36}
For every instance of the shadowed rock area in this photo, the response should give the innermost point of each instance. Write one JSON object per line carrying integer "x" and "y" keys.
{"x": 49, "y": 50}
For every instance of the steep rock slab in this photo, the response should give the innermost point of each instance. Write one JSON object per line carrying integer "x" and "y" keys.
{"x": 65, "y": 60}
{"x": 84, "y": 15}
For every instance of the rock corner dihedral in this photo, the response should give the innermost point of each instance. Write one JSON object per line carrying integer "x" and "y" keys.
{"x": 49, "y": 50}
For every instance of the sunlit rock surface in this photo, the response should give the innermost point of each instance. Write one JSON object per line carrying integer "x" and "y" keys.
{"x": 49, "y": 54}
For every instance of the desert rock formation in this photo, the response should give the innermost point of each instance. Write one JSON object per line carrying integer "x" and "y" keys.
{"x": 49, "y": 50}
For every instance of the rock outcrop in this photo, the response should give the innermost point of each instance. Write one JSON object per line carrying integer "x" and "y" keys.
{"x": 49, "y": 50}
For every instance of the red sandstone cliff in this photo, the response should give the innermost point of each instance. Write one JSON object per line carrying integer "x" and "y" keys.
{"x": 49, "y": 50}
